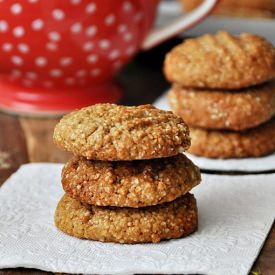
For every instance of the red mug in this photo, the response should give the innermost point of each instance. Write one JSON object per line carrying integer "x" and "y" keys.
{"x": 59, "y": 55}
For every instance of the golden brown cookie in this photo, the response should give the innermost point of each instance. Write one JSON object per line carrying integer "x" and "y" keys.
{"x": 112, "y": 132}
{"x": 235, "y": 110}
{"x": 129, "y": 183}
{"x": 254, "y": 142}
{"x": 244, "y": 12}
{"x": 239, "y": 8}
{"x": 175, "y": 219}
{"x": 221, "y": 61}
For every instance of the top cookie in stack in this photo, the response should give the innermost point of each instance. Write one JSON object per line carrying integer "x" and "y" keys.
{"x": 223, "y": 87}
{"x": 112, "y": 132}
{"x": 127, "y": 182}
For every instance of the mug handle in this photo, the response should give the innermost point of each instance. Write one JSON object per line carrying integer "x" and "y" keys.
{"x": 185, "y": 22}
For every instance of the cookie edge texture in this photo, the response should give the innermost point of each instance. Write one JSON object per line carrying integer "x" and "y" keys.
{"x": 127, "y": 225}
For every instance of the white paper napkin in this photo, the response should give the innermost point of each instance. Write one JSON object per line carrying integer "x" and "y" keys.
{"x": 235, "y": 215}
{"x": 264, "y": 163}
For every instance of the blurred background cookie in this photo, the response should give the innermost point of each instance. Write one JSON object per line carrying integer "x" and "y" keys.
{"x": 221, "y": 109}
{"x": 238, "y": 8}
{"x": 223, "y": 87}
{"x": 221, "y": 61}
{"x": 254, "y": 142}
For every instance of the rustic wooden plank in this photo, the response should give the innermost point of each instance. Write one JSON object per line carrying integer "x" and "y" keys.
{"x": 40, "y": 144}
{"x": 13, "y": 151}
{"x": 265, "y": 263}
{"x": 23, "y": 271}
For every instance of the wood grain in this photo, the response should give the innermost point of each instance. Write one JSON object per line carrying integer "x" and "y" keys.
{"x": 40, "y": 146}
{"x": 13, "y": 151}
{"x": 265, "y": 264}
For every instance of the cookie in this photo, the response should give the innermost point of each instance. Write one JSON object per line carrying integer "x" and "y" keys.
{"x": 135, "y": 184}
{"x": 244, "y": 12}
{"x": 221, "y": 61}
{"x": 239, "y": 8}
{"x": 175, "y": 219}
{"x": 254, "y": 142}
{"x": 112, "y": 132}
{"x": 231, "y": 110}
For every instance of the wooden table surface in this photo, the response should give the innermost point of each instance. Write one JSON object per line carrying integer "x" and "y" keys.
{"x": 24, "y": 140}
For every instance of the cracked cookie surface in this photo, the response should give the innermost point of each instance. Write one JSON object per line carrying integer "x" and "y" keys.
{"x": 221, "y": 61}
{"x": 113, "y": 132}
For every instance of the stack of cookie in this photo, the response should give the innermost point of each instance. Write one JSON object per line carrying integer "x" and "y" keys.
{"x": 224, "y": 88}
{"x": 127, "y": 181}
